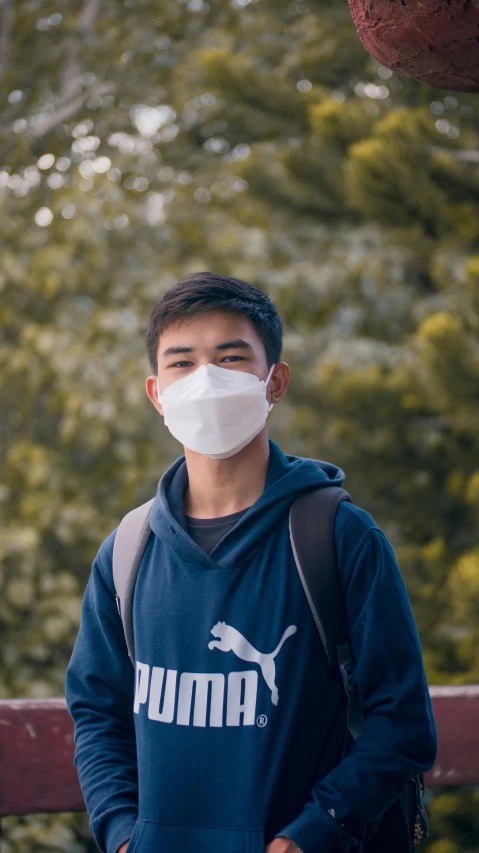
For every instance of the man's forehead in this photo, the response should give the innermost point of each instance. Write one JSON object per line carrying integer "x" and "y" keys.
{"x": 209, "y": 330}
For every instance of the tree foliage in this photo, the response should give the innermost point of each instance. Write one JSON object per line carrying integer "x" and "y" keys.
{"x": 142, "y": 141}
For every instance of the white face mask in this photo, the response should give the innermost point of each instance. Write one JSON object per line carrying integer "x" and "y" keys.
{"x": 216, "y": 411}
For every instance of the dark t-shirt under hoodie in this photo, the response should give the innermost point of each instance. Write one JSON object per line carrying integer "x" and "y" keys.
{"x": 232, "y": 728}
{"x": 207, "y": 532}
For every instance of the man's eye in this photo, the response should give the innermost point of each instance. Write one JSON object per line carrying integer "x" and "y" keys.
{"x": 182, "y": 364}
{"x": 233, "y": 357}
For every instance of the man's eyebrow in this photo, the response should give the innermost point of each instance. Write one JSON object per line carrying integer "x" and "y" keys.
{"x": 176, "y": 351}
{"x": 238, "y": 344}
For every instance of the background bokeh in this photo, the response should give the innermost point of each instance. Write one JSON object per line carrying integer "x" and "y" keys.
{"x": 141, "y": 141}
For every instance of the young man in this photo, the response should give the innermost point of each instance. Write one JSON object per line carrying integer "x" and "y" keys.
{"x": 266, "y": 762}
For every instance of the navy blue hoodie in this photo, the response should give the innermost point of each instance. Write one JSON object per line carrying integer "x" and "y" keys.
{"x": 232, "y": 729}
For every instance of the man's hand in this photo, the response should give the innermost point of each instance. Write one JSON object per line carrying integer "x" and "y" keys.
{"x": 123, "y": 848}
{"x": 282, "y": 845}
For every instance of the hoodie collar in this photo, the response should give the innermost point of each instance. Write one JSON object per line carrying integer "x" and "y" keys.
{"x": 286, "y": 478}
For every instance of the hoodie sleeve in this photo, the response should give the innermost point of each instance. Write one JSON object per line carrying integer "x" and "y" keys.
{"x": 399, "y": 735}
{"x": 99, "y": 690}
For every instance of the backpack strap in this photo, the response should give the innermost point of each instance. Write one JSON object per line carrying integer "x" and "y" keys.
{"x": 311, "y": 526}
{"x": 128, "y": 548}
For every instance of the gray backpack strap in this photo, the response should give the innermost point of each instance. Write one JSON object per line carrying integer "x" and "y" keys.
{"x": 128, "y": 548}
{"x": 311, "y": 526}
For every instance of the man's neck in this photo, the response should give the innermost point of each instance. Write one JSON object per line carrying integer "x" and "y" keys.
{"x": 219, "y": 487}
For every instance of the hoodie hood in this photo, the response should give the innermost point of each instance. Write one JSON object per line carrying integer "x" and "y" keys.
{"x": 286, "y": 478}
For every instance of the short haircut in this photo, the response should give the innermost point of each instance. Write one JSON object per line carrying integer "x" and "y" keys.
{"x": 208, "y": 292}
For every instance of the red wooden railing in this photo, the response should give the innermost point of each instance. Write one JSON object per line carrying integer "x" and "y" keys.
{"x": 36, "y": 750}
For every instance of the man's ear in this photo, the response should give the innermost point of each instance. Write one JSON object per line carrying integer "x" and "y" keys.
{"x": 152, "y": 393}
{"x": 278, "y": 384}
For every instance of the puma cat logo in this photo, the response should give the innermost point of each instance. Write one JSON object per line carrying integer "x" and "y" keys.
{"x": 230, "y": 640}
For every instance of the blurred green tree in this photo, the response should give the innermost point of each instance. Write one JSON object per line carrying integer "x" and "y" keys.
{"x": 142, "y": 142}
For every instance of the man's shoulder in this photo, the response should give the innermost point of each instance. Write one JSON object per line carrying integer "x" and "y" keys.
{"x": 353, "y": 521}
{"x": 104, "y": 557}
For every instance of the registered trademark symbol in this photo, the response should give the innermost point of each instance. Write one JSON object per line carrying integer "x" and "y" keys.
{"x": 261, "y": 720}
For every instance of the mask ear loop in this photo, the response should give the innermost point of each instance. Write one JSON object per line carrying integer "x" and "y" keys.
{"x": 266, "y": 384}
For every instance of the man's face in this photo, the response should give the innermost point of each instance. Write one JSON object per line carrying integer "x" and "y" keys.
{"x": 226, "y": 340}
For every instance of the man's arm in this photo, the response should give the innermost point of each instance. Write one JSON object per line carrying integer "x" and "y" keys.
{"x": 399, "y": 735}
{"x": 99, "y": 691}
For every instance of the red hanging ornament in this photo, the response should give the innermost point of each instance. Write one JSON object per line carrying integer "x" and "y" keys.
{"x": 436, "y": 43}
